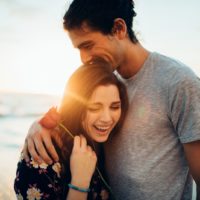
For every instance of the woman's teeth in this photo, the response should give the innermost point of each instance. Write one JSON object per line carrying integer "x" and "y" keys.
{"x": 100, "y": 128}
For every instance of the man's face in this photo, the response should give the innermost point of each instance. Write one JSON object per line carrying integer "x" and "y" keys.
{"x": 92, "y": 44}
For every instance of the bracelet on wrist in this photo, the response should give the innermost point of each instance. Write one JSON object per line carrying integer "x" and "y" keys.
{"x": 78, "y": 188}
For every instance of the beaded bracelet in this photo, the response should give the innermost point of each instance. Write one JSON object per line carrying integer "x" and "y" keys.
{"x": 78, "y": 188}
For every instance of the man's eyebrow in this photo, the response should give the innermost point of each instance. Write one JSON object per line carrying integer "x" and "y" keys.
{"x": 84, "y": 44}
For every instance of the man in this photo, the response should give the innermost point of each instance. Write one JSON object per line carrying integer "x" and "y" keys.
{"x": 158, "y": 148}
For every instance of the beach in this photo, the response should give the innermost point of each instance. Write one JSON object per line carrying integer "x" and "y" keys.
{"x": 17, "y": 112}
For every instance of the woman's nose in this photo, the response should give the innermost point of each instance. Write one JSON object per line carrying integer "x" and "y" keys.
{"x": 106, "y": 116}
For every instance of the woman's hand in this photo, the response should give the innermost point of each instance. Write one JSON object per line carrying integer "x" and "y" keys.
{"x": 82, "y": 162}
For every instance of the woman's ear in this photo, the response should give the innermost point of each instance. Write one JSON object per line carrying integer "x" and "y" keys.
{"x": 119, "y": 28}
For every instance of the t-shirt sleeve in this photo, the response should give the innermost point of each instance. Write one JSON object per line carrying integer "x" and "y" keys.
{"x": 35, "y": 181}
{"x": 184, "y": 100}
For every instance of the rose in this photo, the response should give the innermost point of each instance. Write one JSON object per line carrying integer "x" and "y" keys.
{"x": 51, "y": 119}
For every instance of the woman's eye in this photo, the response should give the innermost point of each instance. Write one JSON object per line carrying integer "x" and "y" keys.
{"x": 115, "y": 107}
{"x": 93, "y": 109}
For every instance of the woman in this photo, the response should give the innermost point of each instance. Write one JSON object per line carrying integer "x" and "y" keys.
{"x": 94, "y": 105}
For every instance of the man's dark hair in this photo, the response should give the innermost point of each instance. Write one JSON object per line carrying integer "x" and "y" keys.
{"x": 100, "y": 15}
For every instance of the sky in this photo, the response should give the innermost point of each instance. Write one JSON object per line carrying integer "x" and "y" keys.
{"x": 36, "y": 56}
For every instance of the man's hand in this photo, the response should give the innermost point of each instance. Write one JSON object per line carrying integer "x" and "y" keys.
{"x": 38, "y": 144}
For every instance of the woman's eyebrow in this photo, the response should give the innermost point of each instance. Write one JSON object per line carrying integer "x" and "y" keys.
{"x": 116, "y": 102}
{"x": 99, "y": 103}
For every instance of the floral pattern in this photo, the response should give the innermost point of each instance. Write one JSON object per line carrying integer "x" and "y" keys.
{"x": 57, "y": 168}
{"x": 44, "y": 182}
{"x": 36, "y": 165}
{"x": 33, "y": 193}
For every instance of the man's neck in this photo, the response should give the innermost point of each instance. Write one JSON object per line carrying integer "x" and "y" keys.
{"x": 135, "y": 57}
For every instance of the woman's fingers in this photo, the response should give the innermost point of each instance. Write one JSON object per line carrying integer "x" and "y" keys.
{"x": 89, "y": 148}
{"x": 83, "y": 143}
{"x": 77, "y": 143}
{"x": 80, "y": 145}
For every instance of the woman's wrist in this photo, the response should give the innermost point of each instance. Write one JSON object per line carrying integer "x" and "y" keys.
{"x": 80, "y": 189}
{"x": 80, "y": 183}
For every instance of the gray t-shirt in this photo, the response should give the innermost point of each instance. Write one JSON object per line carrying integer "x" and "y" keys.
{"x": 145, "y": 160}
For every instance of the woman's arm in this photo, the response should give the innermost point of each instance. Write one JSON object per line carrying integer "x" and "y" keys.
{"x": 82, "y": 165}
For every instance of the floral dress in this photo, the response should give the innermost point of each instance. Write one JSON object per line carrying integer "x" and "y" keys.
{"x": 45, "y": 182}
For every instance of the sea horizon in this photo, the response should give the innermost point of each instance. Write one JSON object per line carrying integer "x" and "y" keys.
{"x": 18, "y": 110}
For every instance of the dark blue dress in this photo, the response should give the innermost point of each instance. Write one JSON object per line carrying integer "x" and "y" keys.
{"x": 46, "y": 182}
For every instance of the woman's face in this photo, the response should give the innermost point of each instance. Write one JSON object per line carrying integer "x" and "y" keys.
{"x": 102, "y": 113}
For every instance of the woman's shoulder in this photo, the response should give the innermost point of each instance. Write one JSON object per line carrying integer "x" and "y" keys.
{"x": 38, "y": 180}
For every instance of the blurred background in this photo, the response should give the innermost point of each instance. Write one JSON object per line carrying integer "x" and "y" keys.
{"x": 36, "y": 59}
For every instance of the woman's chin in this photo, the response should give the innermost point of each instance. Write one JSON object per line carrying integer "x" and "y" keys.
{"x": 101, "y": 138}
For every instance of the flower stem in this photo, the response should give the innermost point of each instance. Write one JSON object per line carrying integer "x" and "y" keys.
{"x": 61, "y": 125}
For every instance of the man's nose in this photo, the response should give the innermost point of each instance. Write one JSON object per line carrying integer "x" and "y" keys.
{"x": 85, "y": 57}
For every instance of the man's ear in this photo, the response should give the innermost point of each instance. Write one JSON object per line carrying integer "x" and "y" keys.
{"x": 119, "y": 28}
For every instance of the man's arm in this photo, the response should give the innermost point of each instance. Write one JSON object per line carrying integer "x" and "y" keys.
{"x": 192, "y": 152}
{"x": 38, "y": 144}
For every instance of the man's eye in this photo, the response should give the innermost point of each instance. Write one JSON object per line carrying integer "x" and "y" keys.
{"x": 89, "y": 46}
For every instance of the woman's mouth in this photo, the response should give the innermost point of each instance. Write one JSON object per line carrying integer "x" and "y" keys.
{"x": 102, "y": 129}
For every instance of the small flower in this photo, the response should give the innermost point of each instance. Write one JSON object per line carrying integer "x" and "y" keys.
{"x": 19, "y": 196}
{"x": 51, "y": 119}
{"x": 33, "y": 194}
{"x": 43, "y": 165}
{"x": 57, "y": 168}
{"x": 34, "y": 164}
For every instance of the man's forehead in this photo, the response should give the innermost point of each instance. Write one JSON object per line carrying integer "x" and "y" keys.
{"x": 83, "y": 29}
{"x": 80, "y": 35}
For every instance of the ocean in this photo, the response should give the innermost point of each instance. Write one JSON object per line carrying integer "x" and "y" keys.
{"x": 17, "y": 113}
